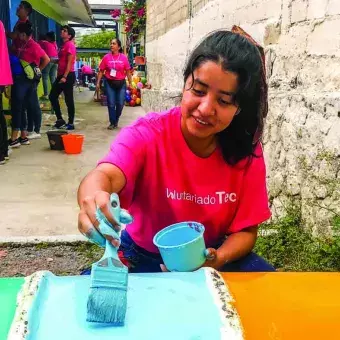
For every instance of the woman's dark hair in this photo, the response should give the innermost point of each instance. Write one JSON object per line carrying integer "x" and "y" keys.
{"x": 235, "y": 54}
{"x": 25, "y": 27}
{"x": 50, "y": 36}
{"x": 42, "y": 36}
{"x": 69, "y": 30}
{"x": 119, "y": 43}
{"x": 27, "y": 6}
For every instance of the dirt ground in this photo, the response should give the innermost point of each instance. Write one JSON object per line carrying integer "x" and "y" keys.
{"x": 60, "y": 259}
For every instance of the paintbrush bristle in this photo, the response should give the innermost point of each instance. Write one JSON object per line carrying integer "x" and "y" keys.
{"x": 108, "y": 294}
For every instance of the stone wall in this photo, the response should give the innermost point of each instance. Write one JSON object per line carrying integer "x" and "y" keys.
{"x": 302, "y": 42}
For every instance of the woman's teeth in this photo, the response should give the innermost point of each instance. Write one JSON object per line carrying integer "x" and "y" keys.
{"x": 201, "y": 121}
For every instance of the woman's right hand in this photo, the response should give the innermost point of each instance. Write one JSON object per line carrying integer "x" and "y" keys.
{"x": 97, "y": 87}
{"x": 88, "y": 222}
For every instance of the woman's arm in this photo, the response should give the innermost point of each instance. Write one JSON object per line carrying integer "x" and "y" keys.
{"x": 106, "y": 177}
{"x": 70, "y": 61}
{"x": 94, "y": 191}
{"x": 44, "y": 61}
{"x": 236, "y": 246}
{"x": 99, "y": 78}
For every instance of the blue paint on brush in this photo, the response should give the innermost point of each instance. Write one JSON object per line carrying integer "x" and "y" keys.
{"x": 109, "y": 276}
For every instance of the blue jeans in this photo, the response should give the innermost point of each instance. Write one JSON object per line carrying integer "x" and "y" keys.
{"x": 49, "y": 73}
{"x": 24, "y": 97}
{"x": 143, "y": 261}
{"x": 115, "y": 102}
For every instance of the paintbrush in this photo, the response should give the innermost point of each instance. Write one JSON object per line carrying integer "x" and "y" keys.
{"x": 109, "y": 276}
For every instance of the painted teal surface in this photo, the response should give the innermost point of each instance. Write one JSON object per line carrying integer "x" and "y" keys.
{"x": 182, "y": 246}
{"x": 160, "y": 306}
{"x": 9, "y": 288}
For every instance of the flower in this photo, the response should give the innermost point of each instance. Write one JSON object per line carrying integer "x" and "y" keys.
{"x": 141, "y": 12}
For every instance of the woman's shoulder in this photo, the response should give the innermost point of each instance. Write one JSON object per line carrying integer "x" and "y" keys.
{"x": 155, "y": 123}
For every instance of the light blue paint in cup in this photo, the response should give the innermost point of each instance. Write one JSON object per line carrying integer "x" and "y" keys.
{"x": 182, "y": 246}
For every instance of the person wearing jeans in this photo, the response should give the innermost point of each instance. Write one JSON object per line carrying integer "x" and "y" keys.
{"x": 5, "y": 80}
{"x": 115, "y": 68}
{"x": 49, "y": 73}
{"x": 115, "y": 102}
{"x": 24, "y": 91}
{"x": 65, "y": 80}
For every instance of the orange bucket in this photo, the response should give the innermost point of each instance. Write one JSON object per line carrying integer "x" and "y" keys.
{"x": 73, "y": 143}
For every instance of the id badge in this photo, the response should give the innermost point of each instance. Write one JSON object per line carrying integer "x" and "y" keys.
{"x": 113, "y": 72}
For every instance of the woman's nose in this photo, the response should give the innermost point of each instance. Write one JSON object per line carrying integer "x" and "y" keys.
{"x": 207, "y": 105}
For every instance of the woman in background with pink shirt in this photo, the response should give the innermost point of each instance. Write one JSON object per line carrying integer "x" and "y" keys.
{"x": 65, "y": 79}
{"x": 115, "y": 68}
{"x": 201, "y": 161}
{"x": 48, "y": 44}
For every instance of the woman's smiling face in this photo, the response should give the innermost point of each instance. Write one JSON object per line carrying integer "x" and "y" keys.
{"x": 208, "y": 104}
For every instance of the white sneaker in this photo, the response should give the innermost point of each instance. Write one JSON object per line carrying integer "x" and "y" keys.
{"x": 33, "y": 135}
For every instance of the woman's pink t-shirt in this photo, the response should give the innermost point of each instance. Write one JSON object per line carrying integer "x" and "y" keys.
{"x": 118, "y": 62}
{"x": 31, "y": 52}
{"x": 167, "y": 183}
{"x": 50, "y": 48}
{"x": 68, "y": 48}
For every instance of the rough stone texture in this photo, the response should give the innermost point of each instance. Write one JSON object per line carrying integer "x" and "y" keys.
{"x": 302, "y": 43}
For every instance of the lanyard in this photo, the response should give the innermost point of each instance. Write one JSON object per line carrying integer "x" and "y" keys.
{"x": 115, "y": 61}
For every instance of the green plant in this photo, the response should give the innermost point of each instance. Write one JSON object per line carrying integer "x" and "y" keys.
{"x": 132, "y": 17}
{"x": 290, "y": 246}
{"x": 96, "y": 40}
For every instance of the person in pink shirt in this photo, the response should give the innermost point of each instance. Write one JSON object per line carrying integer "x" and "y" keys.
{"x": 23, "y": 11}
{"x": 202, "y": 161}
{"x": 49, "y": 45}
{"x": 65, "y": 79}
{"x": 5, "y": 80}
{"x": 24, "y": 91}
{"x": 114, "y": 67}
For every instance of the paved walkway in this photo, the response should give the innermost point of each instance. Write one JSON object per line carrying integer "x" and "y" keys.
{"x": 38, "y": 186}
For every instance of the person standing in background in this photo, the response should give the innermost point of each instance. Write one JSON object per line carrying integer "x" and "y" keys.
{"x": 49, "y": 45}
{"x": 65, "y": 79}
{"x": 23, "y": 11}
{"x": 5, "y": 80}
{"x": 24, "y": 90}
{"x": 115, "y": 67}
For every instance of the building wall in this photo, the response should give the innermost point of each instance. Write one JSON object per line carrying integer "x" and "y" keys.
{"x": 302, "y": 43}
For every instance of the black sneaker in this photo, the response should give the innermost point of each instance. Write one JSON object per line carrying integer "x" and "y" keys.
{"x": 24, "y": 141}
{"x": 111, "y": 127}
{"x": 14, "y": 143}
{"x": 59, "y": 123}
{"x": 2, "y": 159}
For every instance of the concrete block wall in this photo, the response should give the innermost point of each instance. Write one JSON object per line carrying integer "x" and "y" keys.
{"x": 302, "y": 44}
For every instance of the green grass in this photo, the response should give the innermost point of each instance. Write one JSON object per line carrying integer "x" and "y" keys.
{"x": 290, "y": 247}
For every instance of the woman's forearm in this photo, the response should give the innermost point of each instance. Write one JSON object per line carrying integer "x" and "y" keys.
{"x": 70, "y": 60}
{"x": 106, "y": 177}
{"x": 237, "y": 245}
{"x": 99, "y": 77}
{"x": 96, "y": 180}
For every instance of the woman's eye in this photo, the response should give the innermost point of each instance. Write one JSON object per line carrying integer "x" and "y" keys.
{"x": 225, "y": 102}
{"x": 198, "y": 92}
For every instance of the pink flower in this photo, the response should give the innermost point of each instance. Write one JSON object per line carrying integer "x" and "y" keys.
{"x": 126, "y": 10}
{"x": 141, "y": 12}
{"x": 115, "y": 13}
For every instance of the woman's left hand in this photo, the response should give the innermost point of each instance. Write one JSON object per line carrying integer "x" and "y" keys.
{"x": 212, "y": 261}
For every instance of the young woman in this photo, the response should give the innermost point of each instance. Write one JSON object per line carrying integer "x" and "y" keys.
{"x": 65, "y": 79}
{"x": 49, "y": 45}
{"x": 24, "y": 91}
{"x": 115, "y": 68}
{"x": 200, "y": 162}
